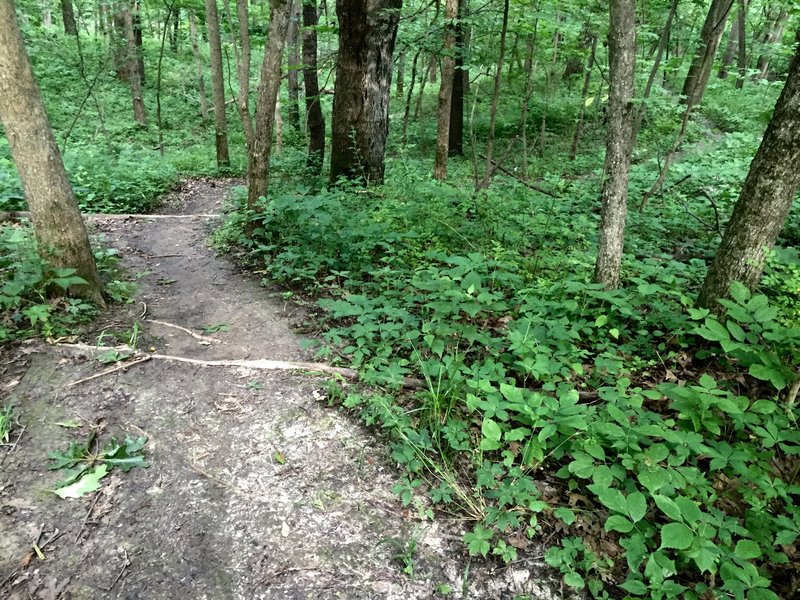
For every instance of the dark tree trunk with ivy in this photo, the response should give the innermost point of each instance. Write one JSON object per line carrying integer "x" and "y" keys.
{"x": 315, "y": 122}
{"x": 622, "y": 61}
{"x": 694, "y": 86}
{"x": 367, "y": 33}
{"x": 60, "y": 232}
{"x": 765, "y": 200}
{"x": 68, "y": 16}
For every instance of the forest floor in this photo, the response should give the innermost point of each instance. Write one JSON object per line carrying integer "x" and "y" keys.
{"x": 255, "y": 487}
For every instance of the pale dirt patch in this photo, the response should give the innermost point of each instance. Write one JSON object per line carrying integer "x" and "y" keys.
{"x": 256, "y": 488}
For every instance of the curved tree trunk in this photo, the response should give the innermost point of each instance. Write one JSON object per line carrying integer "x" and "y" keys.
{"x": 446, "y": 91}
{"x": 60, "y": 232}
{"x": 268, "y": 87}
{"x": 765, "y": 200}
{"x": 694, "y": 86}
{"x": 622, "y": 60}
{"x": 367, "y": 33}
{"x": 217, "y": 84}
{"x": 314, "y": 119}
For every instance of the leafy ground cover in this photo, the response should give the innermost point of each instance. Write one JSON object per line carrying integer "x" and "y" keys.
{"x": 655, "y": 444}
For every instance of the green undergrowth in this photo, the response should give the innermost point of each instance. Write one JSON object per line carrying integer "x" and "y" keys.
{"x": 27, "y": 308}
{"x": 654, "y": 439}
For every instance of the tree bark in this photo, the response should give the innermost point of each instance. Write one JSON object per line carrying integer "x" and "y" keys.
{"x": 315, "y": 122}
{"x": 119, "y": 48}
{"x": 446, "y": 90}
{"x": 68, "y": 16}
{"x": 175, "y": 35}
{"x": 136, "y": 19}
{"x": 456, "y": 135}
{"x": 292, "y": 80}
{"x": 741, "y": 18}
{"x": 134, "y": 76}
{"x": 198, "y": 63}
{"x": 60, "y": 232}
{"x": 694, "y": 86}
{"x": 217, "y": 84}
{"x": 401, "y": 75}
{"x": 268, "y": 87}
{"x": 765, "y": 200}
{"x": 367, "y": 33}
{"x": 622, "y": 64}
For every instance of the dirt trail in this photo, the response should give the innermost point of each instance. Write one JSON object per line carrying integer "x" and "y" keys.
{"x": 256, "y": 489}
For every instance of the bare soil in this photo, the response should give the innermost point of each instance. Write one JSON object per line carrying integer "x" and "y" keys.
{"x": 256, "y": 487}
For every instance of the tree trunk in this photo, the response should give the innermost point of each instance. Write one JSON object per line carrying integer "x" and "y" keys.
{"x": 742, "y": 62}
{"x": 268, "y": 87}
{"x": 730, "y": 50}
{"x": 446, "y": 90}
{"x": 217, "y": 84}
{"x": 136, "y": 17}
{"x": 60, "y": 232}
{"x": 498, "y": 76}
{"x": 456, "y": 136}
{"x": 292, "y": 80}
{"x": 315, "y": 122}
{"x": 175, "y": 36}
{"x": 243, "y": 73}
{"x": 765, "y": 200}
{"x": 410, "y": 96}
{"x": 119, "y": 43}
{"x": 198, "y": 63}
{"x": 622, "y": 65}
{"x": 773, "y": 37}
{"x": 401, "y": 75}
{"x": 587, "y": 78}
{"x": 134, "y": 76}
{"x": 367, "y": 33}
{"x": 68, "y": 16}
{"x": 663, "y": 44}
{"x": 694, "y": 86}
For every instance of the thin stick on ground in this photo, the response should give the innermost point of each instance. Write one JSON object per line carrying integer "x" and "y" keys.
{"x": 13, "y": 447}
{"x": 196, "y": 336}
{"x": 119, "y": 367}
{"x": 86, "y": 518}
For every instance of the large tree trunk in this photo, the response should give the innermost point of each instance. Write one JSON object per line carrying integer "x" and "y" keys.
{"x": 622, "y": 64}
{"x": 446, "y": 90}
{"x": 135, "y": 75}
{"x": 314, "y": 119}
{"x": 217, "y": 84}
{"x": 292, "y": 80}
{"x": 198, "y": 63}
{"x": 765, "y": 200}
{"x": 694, "y": 86}
{"x": 68, "y": 16}
{"x": 119, "y": 46}
{"x": 268, "y": 87}
{"x": 60, "y": 232}
{"x": 456, "y": 136}
{"x": 367, "y": 33}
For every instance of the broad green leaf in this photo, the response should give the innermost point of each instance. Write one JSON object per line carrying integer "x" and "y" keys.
{"x": 766, "y": 373}
{"x": 565, "y": 514}
{"x": 747, "y": 549}
{"x": 690, "y": 511}
{"x": 618, "y": 523}
{"x": 677, "y": 536}
{"x": 637, "y": 506}
{"x": 668, "y": 507}
{"x": 574, "y": 580}
{"x": 512, "y": 393}
{"x": 635, "y": 587}
{"x": 88, "y": 483}
{"x": 491, "y": 430}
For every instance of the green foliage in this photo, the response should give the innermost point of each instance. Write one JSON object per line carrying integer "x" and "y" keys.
{"x": 7, "y": 418}
{"x": 26, "y": 306}
{"x": 85, "y": 466}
